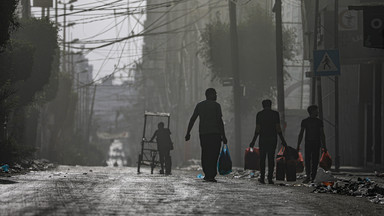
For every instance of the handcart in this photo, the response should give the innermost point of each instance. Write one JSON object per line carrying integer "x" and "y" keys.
{"x": 148, "y": 154}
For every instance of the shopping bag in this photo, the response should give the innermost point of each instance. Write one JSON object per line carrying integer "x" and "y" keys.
{"x": 325, "y": 161}
{"x": 290, "y": 170}
{"x": 224, "y": 165}
{"x": 300, "y": 163}
{"x": 252, "y": 159}
{"x": 290, "y": 153}
{"x": 280, "y": 165}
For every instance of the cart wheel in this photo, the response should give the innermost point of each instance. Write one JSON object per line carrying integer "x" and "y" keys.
{"x": 139, "y": 162}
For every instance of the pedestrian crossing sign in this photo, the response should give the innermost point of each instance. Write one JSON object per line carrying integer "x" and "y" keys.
{"x": 326, "y": 62}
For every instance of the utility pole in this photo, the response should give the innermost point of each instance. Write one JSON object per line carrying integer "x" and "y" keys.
{"x": 64, "y": 38}
{"x": 303, "y": 24}
{"x": 313, "y": 86}
{"x": 319, "y": 88}
{"x": 337, "y": 154}
{"x": 279, "y": 62}
{"x": 26, "y": 11}
{"x": 236, "y": 78}
{"x": 42, "y": 12}
{"x": 317, "y": 80}
{"x": 56, "y": 11}
{"x": 91, "y": 115}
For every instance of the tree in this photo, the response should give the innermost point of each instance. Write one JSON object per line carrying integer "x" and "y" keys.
{"x": 257, "y": 66}
{"x": 29, "y": 71}
{"x": 42, "y": 35}
{"x": 8, "y": 21}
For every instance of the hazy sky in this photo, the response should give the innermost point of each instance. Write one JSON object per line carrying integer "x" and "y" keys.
{"x": 103, "y": 22}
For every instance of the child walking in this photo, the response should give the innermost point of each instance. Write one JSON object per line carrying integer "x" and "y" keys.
{"x": 164, "y": 146}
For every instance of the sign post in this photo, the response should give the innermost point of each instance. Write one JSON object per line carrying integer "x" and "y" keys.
{"x": 43, "y": 3}
{"x": 326, "y": 63}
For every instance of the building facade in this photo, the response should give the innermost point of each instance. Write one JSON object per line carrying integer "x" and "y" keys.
{"x": 360, "y": 83}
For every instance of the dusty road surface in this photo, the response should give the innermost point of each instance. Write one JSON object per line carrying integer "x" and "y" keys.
{"x": 70, "y": 190}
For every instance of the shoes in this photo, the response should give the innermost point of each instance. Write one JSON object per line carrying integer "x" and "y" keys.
{"x": 210, "y": 179}
{"x": 261, "y": 181}
{"x": 270, "y": 181}
{"x": 161, "y": 171}
{"x": 306, "y": 181}
{"x": 168, "y": 173}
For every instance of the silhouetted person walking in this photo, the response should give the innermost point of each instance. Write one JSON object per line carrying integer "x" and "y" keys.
{"x": 314, "y": 140}
{"x": 164, "y": 146}
{"x": 268, "y": 127}
{"x": 211, "y": 130}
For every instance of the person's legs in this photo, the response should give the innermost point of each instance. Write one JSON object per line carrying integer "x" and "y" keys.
{"x": 271, "y": 162}
{"x": 263, "y": 155}
{"x": 168, "y": 162}
{"x": 210, "y": 153}
{"x": 315, "y": 161}
{"x": 204, "y": 152}
{"x": 161, "y": 158}
{"x": 213, "y": 152}
{"x": 308, "y": 158}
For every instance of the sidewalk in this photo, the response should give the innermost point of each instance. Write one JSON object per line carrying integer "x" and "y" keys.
{"x": 362, "y": 172}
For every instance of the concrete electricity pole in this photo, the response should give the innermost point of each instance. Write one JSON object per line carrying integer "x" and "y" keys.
{"x": 236, "y": 78}
{"x": 279, "y": 63}
{"x": 337, "y": 153}
{"x": 313, "y": 85}
{"x": 26, "y": 8}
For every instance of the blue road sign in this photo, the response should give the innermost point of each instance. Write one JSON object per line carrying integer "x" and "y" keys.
{"x": 326, "y": 62}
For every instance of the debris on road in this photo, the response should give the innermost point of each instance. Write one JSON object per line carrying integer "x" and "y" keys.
{"x": 324, "y": 176}
{"x": 238, "y": 173}
{"x": 25, "y": 166}
{"x": 360, "y": 188}
{"x": 4, "y": 168}
{"x": 200, "y": 176}
{"x": 379, "y": 174}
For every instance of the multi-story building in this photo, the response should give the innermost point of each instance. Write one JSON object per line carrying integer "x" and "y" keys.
{"x": 360, "y": 82}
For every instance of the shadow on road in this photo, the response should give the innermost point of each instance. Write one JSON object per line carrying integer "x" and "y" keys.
{"x": 2, "y": 181}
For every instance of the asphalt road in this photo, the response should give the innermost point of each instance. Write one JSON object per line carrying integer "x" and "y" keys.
{"x": 71, "y": 190}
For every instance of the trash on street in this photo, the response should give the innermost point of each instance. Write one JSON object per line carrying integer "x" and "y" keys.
{"x": 360, "y": 188}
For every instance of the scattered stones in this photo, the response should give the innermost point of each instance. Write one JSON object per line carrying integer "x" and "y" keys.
{"x": 237, "y": 173}
{"x": 360, "y": 188}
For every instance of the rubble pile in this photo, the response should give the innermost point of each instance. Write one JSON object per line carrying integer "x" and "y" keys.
{"x": 360, "y": 188}
{"x": 27, "y": 165}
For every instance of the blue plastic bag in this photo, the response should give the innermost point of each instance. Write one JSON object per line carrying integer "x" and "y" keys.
{"x": 5, "y": 168}
{"x": 224, "y": 165}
